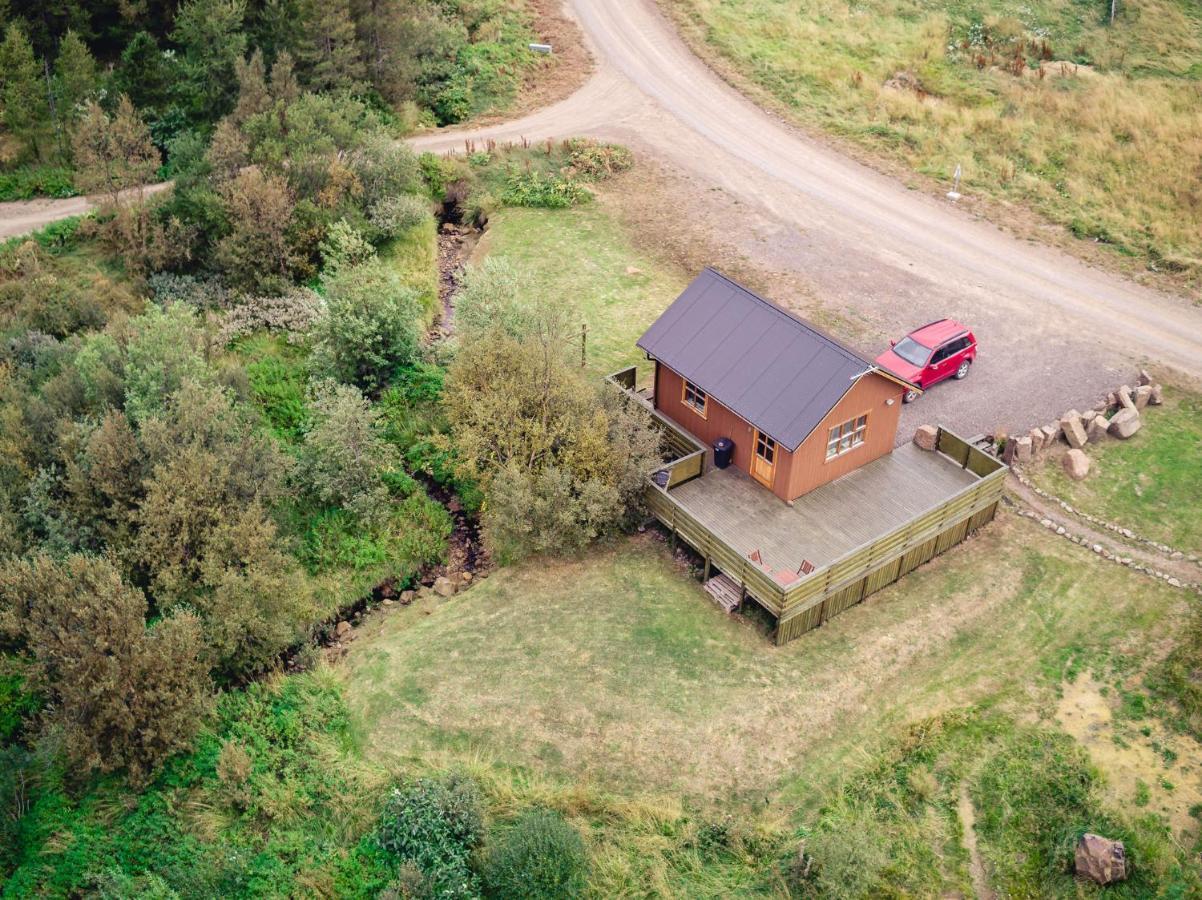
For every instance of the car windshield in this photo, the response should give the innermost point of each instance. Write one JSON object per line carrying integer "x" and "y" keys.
{"x": 911, "y": 351}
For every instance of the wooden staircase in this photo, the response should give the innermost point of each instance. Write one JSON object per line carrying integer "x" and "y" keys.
{"x": 725, "y": 592}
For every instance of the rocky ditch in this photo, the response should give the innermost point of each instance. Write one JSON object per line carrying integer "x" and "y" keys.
{"x": 456, "y": 242}
{"x": 467, "y": 560}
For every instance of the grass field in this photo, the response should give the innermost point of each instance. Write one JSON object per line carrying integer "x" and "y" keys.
{"x": 1042, "y": 102}
{"x": 614, "y": 672}
{"x": 584, "y": 257}
{"x": 1151, "y": 483}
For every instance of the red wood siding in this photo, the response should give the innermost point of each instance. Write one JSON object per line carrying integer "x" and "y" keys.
{"x": 800, "y": 472}
{"x": 808, "y": 466}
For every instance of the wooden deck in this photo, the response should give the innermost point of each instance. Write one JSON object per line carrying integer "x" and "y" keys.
{"x": 860, "y": 533}
{"x": 828, "y": 522}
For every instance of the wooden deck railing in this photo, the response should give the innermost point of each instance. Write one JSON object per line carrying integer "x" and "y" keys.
{"x": 684, "y": 455}
{"x": 845, "y": 581}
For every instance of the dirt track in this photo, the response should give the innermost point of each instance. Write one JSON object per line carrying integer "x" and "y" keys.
{"x": 1054, "y": 332}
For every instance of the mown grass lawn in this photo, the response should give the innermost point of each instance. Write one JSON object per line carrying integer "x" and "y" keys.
{"x": 1101, "y": 142}
{"x": 1151, "y": 483}
{"x": 583, "y": 257}
{"x": 614, "y": 673}
{"x": 616, "y": 668}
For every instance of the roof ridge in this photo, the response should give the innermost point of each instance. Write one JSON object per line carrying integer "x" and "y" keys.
{"x": 793, "y": 317}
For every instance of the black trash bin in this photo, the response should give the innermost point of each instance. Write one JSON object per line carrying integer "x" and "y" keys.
{"x": 724, "y": 449}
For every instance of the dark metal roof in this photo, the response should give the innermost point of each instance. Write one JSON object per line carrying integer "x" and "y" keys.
{"x": 763, "y": 363}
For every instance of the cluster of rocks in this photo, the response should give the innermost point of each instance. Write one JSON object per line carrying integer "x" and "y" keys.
{"x": 1126, "y": 561}
{"x": 1118, "y": 415}
{"x": 443, "y": 586}
{"x": 1120, "y": 530}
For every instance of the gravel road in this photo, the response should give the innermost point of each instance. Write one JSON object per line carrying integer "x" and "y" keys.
{"x": 1054, "y": 332}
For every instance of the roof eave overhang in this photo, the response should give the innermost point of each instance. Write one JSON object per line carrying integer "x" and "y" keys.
{"x": 885, "y": 373}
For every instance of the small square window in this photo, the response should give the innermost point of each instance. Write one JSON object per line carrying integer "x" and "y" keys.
{"x": 695, "y": 398}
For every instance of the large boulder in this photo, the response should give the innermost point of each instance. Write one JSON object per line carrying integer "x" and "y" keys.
{"x": 1097, "y": 429}
{"x": 1126, "y": 401}
{"x": 1144, "y": 377}
{"x": 926, "y": 436}
{"x": 1074, "y": 432}
{"x": 1100, "y": 860}
{"x": 1009, "y": 451}
{"x": 1157, "y": 396}
{"x": 1022, "y": 449}
{"x": 444, "y": 587}
{"x": 1050, "y": 434}
{"x": 1037, "y": 441}
{"x": 1124, "y": 424}
{"x": 1076, "y": 464}
{"x": 1143, "y": 393}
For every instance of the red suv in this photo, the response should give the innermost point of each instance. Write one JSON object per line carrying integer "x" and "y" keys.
{"x": 938, "y": 350}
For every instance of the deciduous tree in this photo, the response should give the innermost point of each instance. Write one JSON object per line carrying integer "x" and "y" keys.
{"x": 257, "y": 253}
{"x": 561, "y": 457}
{"x": 344, "y": 455}
{"x": 370, "y": 329}
{"x": 113, "y": 155}
{"x": 124, "y": 696}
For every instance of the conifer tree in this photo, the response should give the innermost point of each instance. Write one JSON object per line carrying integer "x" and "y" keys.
{"x": 23, "y": 103}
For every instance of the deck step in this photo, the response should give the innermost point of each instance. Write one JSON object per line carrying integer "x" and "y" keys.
{"x": 725, "y": 592}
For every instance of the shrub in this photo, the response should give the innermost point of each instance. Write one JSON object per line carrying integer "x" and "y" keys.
{"x": 435, "y": 825}
{"x": 197, "y": 293}
{"x": 561, "y": 459}
{"x": 594, "y": 161}
{"x": 344, "y": 246}
{"x": 163, "y": 349}
{"x": 37, "y": 181}
{"x": 540, "y": 856}
{"x": 370, "y": 329}
{"x": 344, "y": 456}
{"x": 391, "y": 216}
{"x": 292, "y": 314}
{"x": 121, "y": 694}
{"x": 493, "y": 296}
{"x": 550, "y": 191}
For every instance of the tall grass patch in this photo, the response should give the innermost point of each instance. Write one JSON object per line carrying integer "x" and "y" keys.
{"x": 1094, "y": 125}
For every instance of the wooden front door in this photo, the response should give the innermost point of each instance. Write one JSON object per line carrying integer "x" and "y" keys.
{"x": 763, "y": 460}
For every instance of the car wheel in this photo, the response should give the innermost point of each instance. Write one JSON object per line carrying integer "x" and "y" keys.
{"x": 910, "y": 396}
{"x": 963, "y": 370}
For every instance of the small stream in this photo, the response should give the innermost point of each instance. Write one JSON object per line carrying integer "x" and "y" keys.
{"x": 465, "y": 552}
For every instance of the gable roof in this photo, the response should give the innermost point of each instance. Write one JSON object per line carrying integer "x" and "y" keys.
{"x": 761, "y": 362}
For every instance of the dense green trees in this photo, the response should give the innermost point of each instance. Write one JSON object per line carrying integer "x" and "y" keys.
{"x": 184, "y": 66}
{"x": 560, "y": 457}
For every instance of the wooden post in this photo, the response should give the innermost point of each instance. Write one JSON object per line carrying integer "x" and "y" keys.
{"x": 705, "y": 575}
{"x": 583, "y": 342}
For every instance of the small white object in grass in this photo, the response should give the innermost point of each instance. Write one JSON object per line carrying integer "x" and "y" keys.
{"x": 541, "y": 48}
{"x": 954, "y": 193}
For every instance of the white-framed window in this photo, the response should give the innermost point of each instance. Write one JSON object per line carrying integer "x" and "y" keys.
{"x": 695, "y": 398}
{"x": 847, "y": 436}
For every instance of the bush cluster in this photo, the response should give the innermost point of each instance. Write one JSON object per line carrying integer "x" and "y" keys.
{"x": 435, "y": 825}
{"x": 539, "y": 857}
